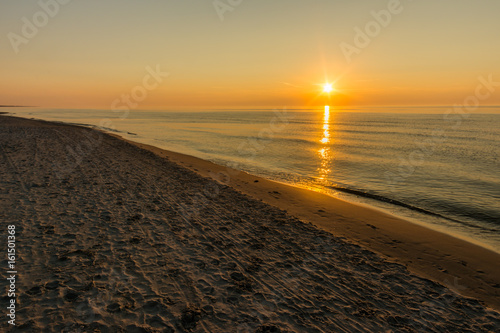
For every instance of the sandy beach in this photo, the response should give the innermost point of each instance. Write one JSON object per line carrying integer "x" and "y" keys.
{"x": 114, "y": 236}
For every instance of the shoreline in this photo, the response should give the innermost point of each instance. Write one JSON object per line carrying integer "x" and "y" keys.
{"x": 440, "y": 223}
{"x": 462, "y": 266}
{"x": 126, "y": 238}
{"x": 349, "y": 198}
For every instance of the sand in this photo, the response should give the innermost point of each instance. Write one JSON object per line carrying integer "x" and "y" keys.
{"x": 467, "y": 268}
{"x": 115, "y": 238}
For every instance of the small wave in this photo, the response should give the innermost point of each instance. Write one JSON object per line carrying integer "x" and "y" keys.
{"x": 400, "y": 204}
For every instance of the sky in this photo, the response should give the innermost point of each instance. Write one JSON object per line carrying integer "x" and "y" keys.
{"x": 246, "y": 53}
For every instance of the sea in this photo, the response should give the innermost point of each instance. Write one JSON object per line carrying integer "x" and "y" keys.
{"x": 436, "y": 166}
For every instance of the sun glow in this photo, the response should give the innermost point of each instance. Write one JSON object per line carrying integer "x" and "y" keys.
{"x": 327, "y": 88}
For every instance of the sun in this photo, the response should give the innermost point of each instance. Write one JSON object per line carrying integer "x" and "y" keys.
{"x": 327, "y": 88}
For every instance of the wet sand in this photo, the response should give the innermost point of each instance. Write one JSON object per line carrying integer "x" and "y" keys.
{"x": 115, "y": 238}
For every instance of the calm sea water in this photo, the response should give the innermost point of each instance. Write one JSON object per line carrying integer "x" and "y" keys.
{"x": 420, "y": 163}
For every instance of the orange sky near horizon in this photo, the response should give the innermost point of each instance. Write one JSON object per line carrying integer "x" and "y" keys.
{"x": 255, "y": 53}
